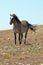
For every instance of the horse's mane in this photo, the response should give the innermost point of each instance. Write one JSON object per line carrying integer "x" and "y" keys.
{"x": 16, "y": 18}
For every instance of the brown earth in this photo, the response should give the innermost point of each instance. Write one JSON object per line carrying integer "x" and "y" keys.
{"x": 24, "y": 54}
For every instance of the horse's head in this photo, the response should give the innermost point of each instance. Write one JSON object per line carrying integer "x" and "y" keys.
{"x": 14, "y": 19}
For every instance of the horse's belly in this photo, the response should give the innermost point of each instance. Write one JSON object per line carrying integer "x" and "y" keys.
{"x": 20, "y": 29}
{"x": 23, "y": 29}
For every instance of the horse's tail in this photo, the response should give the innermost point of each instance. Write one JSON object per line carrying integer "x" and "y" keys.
{"x": 31, "y": 27}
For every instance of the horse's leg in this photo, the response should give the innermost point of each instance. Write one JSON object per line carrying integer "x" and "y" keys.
{"x": 15, "y": 37}
{"x": 25, "y": 37}
{"x": 19, "y": 38}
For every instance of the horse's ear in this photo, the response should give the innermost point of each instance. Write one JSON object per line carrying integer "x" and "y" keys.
{"x": 10, "y": 15}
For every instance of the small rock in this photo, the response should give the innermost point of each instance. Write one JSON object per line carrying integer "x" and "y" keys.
{"x": 20, "y": 63}
{"x": 8, "y": 38}
{"x": 28, "y": 64}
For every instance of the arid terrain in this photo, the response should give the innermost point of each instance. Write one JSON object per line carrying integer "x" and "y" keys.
{"x": 30, "y": 53}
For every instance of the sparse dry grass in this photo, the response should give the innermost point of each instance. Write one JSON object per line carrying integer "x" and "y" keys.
{"x": 31, "y": 53}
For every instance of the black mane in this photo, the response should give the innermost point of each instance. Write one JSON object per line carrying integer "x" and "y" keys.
{"x": 16, "y": 18}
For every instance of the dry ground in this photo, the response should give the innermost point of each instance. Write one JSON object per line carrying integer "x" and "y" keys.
{"x": 29, "y": 54}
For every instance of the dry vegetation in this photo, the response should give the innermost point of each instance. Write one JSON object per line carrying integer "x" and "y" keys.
{"x": 31, "y": 53}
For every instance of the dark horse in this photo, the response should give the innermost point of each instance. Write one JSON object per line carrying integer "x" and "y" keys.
{"x": 20, "y": 27}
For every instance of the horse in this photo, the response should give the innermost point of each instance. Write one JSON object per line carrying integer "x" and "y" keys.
{"x": 20, "y": 27}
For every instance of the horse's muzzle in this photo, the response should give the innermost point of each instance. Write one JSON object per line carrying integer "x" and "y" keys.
{"x": 10, "y": 23}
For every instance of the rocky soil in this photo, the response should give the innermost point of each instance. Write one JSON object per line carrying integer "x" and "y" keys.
{"x": 30, "y": 53}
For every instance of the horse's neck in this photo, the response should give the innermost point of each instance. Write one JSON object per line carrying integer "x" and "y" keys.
{"x": 17, "y": 24}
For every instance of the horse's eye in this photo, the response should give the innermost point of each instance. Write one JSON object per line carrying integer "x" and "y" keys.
{"x": 11, "y": 17}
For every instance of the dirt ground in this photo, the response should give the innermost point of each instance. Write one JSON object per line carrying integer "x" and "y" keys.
{"x": 30, "y": 53}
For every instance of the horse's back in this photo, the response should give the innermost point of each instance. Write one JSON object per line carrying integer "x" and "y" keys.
{"x": 24, "y": 22}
